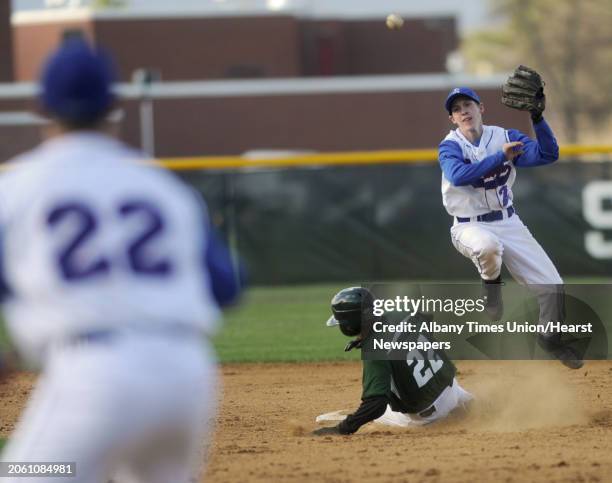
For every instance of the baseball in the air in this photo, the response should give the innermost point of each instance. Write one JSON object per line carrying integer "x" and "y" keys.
{"x": 394, "y": 21}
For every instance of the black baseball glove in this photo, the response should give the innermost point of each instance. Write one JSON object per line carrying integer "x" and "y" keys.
{"x": 524, "y": 90}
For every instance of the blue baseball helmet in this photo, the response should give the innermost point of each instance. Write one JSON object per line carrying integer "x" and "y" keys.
{"x": 76, "y": 83}
{"x": 460, "y": 91}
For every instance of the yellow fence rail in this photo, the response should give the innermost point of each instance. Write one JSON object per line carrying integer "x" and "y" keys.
{"x": 347, "y": 158}
{"x": 417, "y": 156}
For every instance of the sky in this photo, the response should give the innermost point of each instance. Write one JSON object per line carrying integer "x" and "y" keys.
{"x": 471, "y": 14}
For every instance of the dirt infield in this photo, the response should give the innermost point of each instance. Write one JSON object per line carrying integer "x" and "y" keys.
{"x": 533, "y": 421}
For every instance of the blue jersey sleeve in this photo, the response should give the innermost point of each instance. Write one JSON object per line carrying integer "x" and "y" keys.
{"x": 543, "y": 150}
{"x": 225, "y": 283}
{"x": 460, "y": 173}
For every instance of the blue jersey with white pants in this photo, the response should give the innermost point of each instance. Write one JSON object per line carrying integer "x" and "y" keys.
{"x": 477, "y": 179}
{"x": 477, "y": 185}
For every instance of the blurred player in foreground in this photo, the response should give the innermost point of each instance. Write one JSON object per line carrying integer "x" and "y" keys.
{"x": 419, "y": 389}
{"x": 479, "y": 166}
{"x": 112, "y": 281}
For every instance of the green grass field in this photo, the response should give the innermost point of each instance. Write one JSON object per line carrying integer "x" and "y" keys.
{"x": 282, "y": 324}
{"x": 287, "y": 323}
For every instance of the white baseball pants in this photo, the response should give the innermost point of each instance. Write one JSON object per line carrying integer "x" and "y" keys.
{"x": 488, "y": 244}
{"x": 137, "y": 408}
{"x": 453, "y": 397}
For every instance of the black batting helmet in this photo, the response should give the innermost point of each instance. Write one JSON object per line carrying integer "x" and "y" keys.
{"x": 350, "y": 307}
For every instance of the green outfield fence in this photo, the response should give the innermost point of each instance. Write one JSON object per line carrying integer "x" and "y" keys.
{"x": 329, "y": 217}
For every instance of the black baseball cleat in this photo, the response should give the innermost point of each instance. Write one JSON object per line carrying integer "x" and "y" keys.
{"x": 568, "y": 357}
{"x": 494, "y": 306}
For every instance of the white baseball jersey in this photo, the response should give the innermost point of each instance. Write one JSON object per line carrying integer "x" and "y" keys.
{"x": 477, "y": 189}
{"x": 93, "y": 240}
{"x": 493, "y": 192}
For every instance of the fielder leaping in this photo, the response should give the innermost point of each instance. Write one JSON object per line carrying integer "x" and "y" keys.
{"x": 478, "y": 170}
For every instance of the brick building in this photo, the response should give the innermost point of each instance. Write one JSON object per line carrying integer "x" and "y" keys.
{"x": 232, "y": 83}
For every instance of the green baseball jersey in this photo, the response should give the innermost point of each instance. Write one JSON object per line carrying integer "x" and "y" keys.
{"x": 412, "y": 384}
